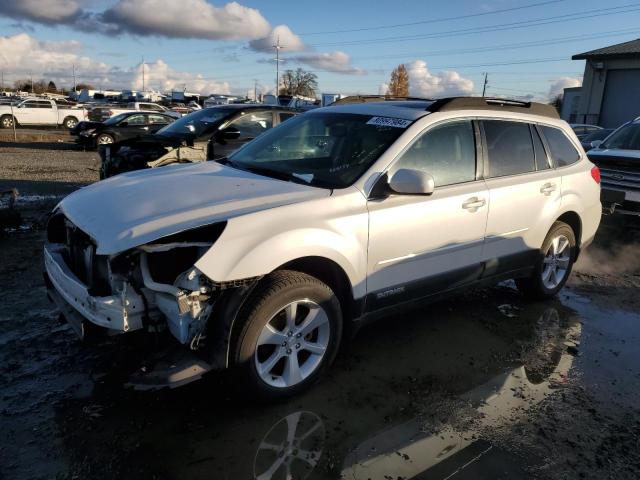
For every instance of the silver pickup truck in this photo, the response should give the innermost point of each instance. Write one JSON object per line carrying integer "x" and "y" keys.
{"x": 41, "y": 111}
{"x": 619, "y": 160}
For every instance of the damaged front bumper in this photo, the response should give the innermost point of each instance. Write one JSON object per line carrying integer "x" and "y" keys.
{"x": 117, "y": 313}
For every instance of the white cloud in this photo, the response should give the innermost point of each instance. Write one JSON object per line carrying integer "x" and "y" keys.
{"x": 187, "y": 19}
{"x": 42, "y": 11}
{"x": 423, "y": 83}
{"x": 283, "y": 34}
{"x": 559, "y": 84}
{"x": 159, "y": 76}
{"x": 21, "y": 54}
{"x": 336, "y": 62}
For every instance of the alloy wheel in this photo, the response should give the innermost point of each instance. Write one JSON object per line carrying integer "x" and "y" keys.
{"x": 556, "y": 262}
{"x": 7, "y": 122}
{"x": 292, "y": 344}
{"x": 105, "y": 140}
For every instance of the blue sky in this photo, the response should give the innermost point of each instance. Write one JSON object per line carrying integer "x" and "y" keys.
{"x": 521, "y": 59}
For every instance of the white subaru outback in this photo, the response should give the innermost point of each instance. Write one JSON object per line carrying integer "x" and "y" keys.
{"x": 260, "y": 261}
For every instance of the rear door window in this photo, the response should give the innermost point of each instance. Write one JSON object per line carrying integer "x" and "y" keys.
{"x": 509, "y": 148}
{"x": 542, "y": 161}
{"x": 561, "y": 149}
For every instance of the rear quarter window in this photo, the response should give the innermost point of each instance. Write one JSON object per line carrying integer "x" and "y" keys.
{"x": 509, "y": 148}
{"x": 561, "y": 149}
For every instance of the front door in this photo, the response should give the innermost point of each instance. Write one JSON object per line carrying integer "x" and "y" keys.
{"x": 421, "y": 245}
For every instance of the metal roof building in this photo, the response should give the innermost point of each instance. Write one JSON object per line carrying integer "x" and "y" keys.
{"x": 610, "y": 94}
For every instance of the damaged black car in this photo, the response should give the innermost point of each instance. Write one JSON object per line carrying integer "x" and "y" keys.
{"x": 207, "y": 134}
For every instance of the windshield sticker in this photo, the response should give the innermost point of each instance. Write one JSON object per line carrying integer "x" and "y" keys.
{"x": 389, "y": 122}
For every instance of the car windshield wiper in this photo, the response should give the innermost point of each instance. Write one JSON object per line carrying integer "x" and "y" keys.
{"x": 267, "y": 172}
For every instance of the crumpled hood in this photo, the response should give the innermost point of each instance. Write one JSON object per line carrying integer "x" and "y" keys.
{"x": 135, "y": 208}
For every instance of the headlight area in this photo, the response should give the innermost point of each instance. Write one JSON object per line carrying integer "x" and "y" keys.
{"x": 185, "y": 296}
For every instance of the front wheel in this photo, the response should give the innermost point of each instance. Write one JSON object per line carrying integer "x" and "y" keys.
{"x": 289, "y": 333}
{"x": 6, "y": 121}
{"x": 104, "y": 139}
{"x": 553, "y": 265}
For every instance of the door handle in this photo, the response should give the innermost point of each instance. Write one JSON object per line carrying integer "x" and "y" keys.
{"x": 548, "y": 188}
{"x": 473, "y": 204}
{"x": 145, "y": 128}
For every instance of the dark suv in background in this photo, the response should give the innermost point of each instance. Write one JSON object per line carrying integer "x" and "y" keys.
{"x": 207, "y": 134}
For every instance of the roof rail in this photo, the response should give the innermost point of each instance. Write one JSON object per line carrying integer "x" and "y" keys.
{"x": 496, "y": 104}
{"x": 376, "y": 98}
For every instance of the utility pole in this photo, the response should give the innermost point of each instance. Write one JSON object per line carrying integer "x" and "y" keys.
{"x": 2, "y": 80}
{"x": 255, "y": 90}
{"x": 31, "y": 77}
{"x": 484, "y": 87}
{"x": 277, "y": 46}
{"x": 143, "y": 75}
{"x": 74, "y": 79}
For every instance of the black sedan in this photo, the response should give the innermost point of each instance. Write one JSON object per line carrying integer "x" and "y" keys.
{"x": 206, "y": 134}
{"x": 120, "y": 127}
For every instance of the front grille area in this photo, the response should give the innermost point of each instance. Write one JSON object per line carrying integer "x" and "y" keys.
{"x": 80, "y": 255}
{"x": 620, "y": 178}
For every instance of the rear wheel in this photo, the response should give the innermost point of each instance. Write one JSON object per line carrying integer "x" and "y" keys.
{"x": 104, "y": 139}
{"x": 289, "y": 333}
{"x": 554, "y": 264}
{"x": 6, "y": 121}
{"x": 70, "y": 122}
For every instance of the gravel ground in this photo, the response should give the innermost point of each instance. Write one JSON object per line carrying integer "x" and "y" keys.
{"x": 482, "y": 386}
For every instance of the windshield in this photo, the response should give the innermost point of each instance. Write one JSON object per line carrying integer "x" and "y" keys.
{"x": 626, "y": 138}
{"x": 330, "y": 150}
{"x": 117, "y": 118}
{"x": 197, "y": 123}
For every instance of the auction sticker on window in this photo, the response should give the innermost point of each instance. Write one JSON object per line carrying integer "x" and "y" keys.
{"x": 389, "y": 122}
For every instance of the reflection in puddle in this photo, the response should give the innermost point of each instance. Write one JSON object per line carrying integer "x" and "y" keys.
{"x": 405, "y": 450}
{"x": 291, "y": 449}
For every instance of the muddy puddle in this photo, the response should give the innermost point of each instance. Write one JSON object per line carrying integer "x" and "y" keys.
{"x": 484, "y": 385}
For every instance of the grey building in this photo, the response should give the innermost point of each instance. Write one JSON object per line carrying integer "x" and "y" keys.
{"x": 610, "y": 92}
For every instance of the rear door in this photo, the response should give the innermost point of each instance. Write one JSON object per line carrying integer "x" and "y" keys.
{"x": 420, "y": 245}
{"x": 156, "y": 121}
{"x": 135, "y": 125}
{"x": 524, "y": 193}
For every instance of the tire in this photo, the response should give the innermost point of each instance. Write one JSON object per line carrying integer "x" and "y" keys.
{"x": 553, "y": 266}
{"x": 70, "y": 122}
{"x": 6, "y": 121}
{"x": 104, "y": 139}
{"x": 267, "y": 345}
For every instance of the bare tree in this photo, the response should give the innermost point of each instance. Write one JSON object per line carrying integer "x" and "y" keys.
{"x": 399, "y": 84}
{"x": 299, "y": 82}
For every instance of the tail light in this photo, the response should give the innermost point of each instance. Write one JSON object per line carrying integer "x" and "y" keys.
{"x": 595, "y": 174}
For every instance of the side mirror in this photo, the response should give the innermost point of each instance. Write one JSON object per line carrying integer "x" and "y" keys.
{"x": 412, "y": 182}
{"x": 229, "y": 133}
{"x": 596, "y": 143}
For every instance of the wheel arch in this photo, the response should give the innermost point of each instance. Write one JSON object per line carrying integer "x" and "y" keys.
{"x": 572, "y": 219}
{"x": 333, "y": 275}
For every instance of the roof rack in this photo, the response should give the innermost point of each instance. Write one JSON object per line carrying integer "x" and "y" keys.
{"x": 496, "y": 104}
{"x": 376, "y": 98}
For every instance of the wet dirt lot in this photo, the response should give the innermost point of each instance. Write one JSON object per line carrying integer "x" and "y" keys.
{"x": 483, "y": 385}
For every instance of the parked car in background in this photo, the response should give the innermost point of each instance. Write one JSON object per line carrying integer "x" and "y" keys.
{"x": 595, "y": 136}
{"x": 102, "y": 113}
{"x": 41, "y": 112}
{"x": 582, "y": 129}
{"x": 260, "y": 261}
{"x": 207, "y": 134}
{"x": 618, "y": 157}
{"x": 121, "y": 127}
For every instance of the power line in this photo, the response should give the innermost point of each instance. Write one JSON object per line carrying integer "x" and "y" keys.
{"x": 600, "y": 12}
{"x": 433, "y": 20}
